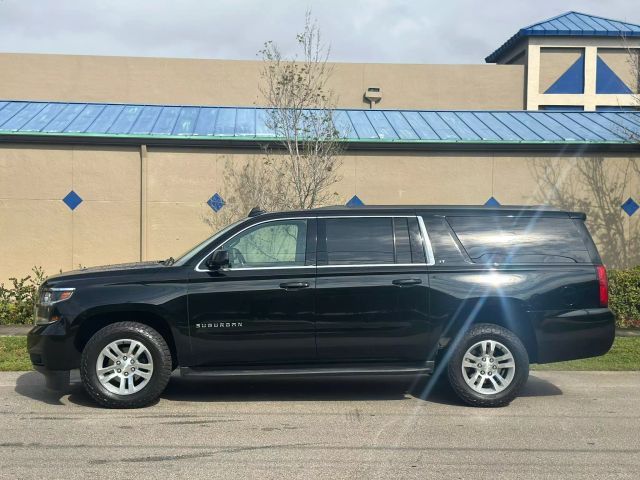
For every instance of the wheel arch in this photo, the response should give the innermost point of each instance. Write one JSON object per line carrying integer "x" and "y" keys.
{"x": 93, "y": 322}
{"x": 504, "y": 312}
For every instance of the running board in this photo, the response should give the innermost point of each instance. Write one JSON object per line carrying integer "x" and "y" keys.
{"x": 425, "y": 368}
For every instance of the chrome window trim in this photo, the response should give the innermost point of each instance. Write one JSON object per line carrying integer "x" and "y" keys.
{"x": 375, "y": 265}
{"x": 428, "y": 249}
{"x": 426, "y": 242}
{"x": 264, "y": 268}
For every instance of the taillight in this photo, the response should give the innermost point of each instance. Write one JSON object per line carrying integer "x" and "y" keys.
{"x": 603, "y": 285}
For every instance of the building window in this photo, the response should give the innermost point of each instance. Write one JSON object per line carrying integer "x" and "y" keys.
{"x": 565, "y": 108}
{"x": 562, "y": 70}
{"x": 616, "y": 108}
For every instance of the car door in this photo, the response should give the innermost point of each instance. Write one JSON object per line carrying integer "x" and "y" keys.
{"x": 372, "y": 292}
{"x": 260, "y": 309}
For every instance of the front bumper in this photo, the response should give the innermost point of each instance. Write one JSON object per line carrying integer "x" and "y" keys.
{"x": 575, "y": 334}
{"x": 51, "y": 347}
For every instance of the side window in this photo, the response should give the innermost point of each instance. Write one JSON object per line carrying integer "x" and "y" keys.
{"x": 272, "y": 244}
{"x": 445, "y": 244}
{"x": 499, "y": 239}
{"x": 403, "y": 243}
{"x": 409, "y": 244}
{"x": 358, "y": 241}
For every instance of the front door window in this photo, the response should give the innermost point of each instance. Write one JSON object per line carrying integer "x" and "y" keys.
{"x": 271, "y": 244}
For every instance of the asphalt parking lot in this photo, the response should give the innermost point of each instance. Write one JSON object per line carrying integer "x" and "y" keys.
{"x": 565, "y": 425}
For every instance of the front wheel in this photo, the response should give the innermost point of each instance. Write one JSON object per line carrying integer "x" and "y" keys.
{"x": 489, "y": 366}
{"x": 125, "y": 365}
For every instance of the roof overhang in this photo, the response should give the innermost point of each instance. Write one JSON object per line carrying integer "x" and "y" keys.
{"x": 204, "y": 126}
{"x": 564, "y": 148}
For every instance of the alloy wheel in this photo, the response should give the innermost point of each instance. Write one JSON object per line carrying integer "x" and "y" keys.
{"x": 488, "y": 367}
{"x": 124, "y": 366}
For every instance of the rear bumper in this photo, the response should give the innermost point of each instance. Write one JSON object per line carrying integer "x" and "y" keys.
{"x": 575, "y": 334}
{"x": 51, "y": 348}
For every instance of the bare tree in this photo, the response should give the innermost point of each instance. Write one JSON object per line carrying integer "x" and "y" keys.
{"x": 246, "y": 185}
{"x": 633, "y": 60}
{"x": 598, "y": 187}
{"x": 301, "y": 115}
{"x": 298, "y": 169}
{"x": 633, "y": 64}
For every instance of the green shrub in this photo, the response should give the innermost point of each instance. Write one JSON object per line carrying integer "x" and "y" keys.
{"x": 18, "y": 301}
{"x": 624, "y": 296}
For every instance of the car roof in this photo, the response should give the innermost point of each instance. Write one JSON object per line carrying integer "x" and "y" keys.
{"x": 451, "y": 210}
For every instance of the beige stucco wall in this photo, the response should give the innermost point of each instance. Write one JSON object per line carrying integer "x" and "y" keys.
{"x": 229, "y": 82}
{"x": 37, "y": 228}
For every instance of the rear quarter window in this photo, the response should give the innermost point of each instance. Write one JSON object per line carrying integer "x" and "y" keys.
{"x": 496, "y": 239}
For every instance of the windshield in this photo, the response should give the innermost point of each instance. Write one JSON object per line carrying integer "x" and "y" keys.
{"x": 185, "y": 257}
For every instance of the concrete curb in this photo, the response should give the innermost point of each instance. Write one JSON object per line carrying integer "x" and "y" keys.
{"x": 14, "y": 330}
{"x": 628, "y": 332}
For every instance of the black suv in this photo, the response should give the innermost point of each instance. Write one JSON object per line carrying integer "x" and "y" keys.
{"x": 478, "y": 292}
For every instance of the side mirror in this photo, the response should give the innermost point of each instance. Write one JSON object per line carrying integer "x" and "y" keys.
{"x": 218, "y": 260}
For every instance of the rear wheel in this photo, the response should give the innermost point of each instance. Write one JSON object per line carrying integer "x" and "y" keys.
{"x": 489, "y": 366}
{"x": 125, "y": 365}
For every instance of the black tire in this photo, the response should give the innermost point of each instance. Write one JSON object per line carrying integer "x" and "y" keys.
{"x": 155, "y": 344}
{"x": 480, "y": 332}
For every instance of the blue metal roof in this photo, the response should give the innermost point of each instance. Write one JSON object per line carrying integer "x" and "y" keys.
{"x": 570, "y": 24}
{"x": 147, "y": 123}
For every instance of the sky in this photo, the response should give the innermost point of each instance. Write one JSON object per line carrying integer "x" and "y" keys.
{"x": 385, "y": 31}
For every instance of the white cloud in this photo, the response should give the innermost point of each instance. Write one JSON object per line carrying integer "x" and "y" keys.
{"x": 417, "y": 31}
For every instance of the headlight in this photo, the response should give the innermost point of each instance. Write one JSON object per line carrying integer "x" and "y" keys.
{"x": 50, "y": 296}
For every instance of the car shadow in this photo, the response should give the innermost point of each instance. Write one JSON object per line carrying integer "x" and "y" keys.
{"x": 439, "y": 390}
{"x": 273, "y": 389}
{"x": 32, "y": 385}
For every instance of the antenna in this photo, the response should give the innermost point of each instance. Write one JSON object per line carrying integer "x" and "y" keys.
{"x": 255, "y": 211}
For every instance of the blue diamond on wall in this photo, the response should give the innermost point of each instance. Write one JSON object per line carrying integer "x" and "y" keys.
{"x": 630, "y": 206}
{"x": 355, "y": 202}
{"x": 492, "y": 202}
{"x": 216, "y": 202}
{"x": 72, "y": 200}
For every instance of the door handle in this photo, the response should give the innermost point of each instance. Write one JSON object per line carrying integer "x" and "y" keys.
{"x": 405, "y": 282}
{"x": 294, "y": 285}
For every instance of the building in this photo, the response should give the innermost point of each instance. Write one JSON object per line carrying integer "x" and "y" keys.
{"x": 113, "y": 159}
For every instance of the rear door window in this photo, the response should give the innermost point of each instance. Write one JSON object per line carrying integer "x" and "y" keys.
{"x": 369, "y": 241}
{"x": 502, "y": 239}
{"x": 403, "y": 242}
{"x": 358, "y": 241}
{"x": 409, "y": 245}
